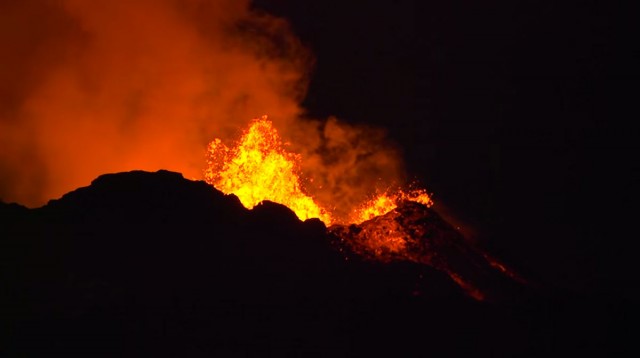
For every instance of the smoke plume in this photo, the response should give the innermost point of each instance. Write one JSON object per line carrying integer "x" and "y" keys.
{"x": 92, "y": 87}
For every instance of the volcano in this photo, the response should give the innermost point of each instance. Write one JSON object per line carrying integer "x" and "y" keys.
{"x": 144, "y": 263}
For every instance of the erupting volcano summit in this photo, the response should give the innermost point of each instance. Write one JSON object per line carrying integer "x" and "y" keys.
{"x": 259, "y": 168}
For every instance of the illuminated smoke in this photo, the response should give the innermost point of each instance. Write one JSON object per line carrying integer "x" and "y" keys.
{"x": 92, "y": 87}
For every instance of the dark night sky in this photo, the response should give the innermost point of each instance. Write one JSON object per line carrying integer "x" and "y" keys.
{"x": 514, "y": 115}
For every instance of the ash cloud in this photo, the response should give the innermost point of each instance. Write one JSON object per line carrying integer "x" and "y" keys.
{"x": 93, "y": 87}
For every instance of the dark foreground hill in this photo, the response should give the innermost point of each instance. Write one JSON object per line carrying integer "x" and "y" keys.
{"x": 151, "y": 264}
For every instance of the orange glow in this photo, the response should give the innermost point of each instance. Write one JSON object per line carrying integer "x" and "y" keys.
{"x": 386, "y": 202}
{"x": 375, "y": 207}
{"x": 95, "y": 87}
{"x": 258, "y": 168}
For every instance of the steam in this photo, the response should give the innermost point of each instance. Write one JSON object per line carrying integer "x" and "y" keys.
{"x": 94, "y": 87}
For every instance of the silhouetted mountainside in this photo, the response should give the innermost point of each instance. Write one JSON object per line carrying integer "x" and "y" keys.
{"x": 415, "y": 233}
{"x": 151, "y": 264}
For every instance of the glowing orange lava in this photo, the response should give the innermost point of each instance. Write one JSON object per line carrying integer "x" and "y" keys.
{"x": 386, "y": 202}
{"x": 258, "y": 168}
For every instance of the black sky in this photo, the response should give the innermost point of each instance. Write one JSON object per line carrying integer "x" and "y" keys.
{"x": 513, "y": 113}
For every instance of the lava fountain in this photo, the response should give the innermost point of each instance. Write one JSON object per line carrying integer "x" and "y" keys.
{"x": 258, "y": 167}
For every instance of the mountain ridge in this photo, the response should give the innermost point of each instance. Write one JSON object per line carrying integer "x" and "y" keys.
{"x": 143, "y": 263}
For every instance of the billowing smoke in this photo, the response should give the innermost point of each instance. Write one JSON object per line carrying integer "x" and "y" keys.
{"x": 93, "y": 87}
{"x": 346, "y": 164}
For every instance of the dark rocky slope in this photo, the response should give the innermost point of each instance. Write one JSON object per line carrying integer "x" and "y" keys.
{"x": 151, "y": 264}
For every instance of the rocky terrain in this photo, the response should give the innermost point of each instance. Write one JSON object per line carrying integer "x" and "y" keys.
{"x": 152, "y": 264}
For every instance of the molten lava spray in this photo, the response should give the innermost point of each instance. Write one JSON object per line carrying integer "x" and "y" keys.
{"x": 258, "y": 168}
{"x": 92, "y": 87}
{"x": 385, "y": 202}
